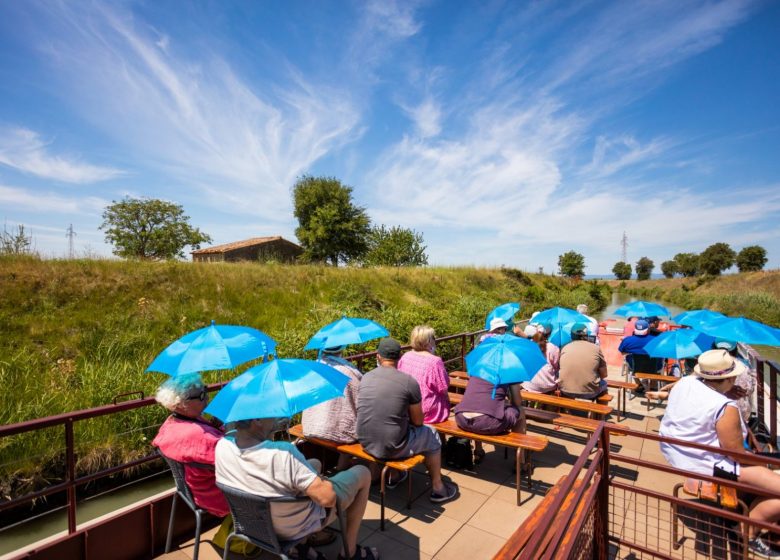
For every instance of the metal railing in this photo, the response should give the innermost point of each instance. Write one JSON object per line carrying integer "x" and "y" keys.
{"x": 456, "y": 347}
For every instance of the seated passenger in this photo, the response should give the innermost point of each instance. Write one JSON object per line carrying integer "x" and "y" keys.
{"x": 633, "y": 348}
{"x": 428, "y": 370}
{"x": 497, "y": 326}
{"x": 187, "y": 437}
{"x": 485, "y": 410}
{"x": 593, "y": 324}
{"x": 746, "y": 381}
{"x": 390, "y": 419}
{"x": 336, "y": 419}
{"x": 248, "y": 459}
{"x": 546, "y": 379}
{"x": 701, "y": 410}
{"x": 583, "y": 370}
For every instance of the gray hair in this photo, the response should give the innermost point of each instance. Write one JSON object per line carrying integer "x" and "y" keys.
{"x": 176, "y": 389}
{"x": 582, "y": 308}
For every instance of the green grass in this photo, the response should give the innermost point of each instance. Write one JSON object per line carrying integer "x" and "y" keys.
{"x": 77, "y": 333}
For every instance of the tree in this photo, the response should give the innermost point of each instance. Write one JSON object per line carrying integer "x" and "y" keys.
{"x": 644, "y": 268}
{"x": 571, "y": 264}
{"x": 687, "y": 264}
{"x": 395, "y": 246}
{"x": 149, "y": 228}
{"x": 622, "y": 270}
{"x": 716, "y": 258}
{"x": 15, "y": 242}
{"x": 669, "y": 268}
{"x": 751, "y": 258}
{"x": 330, "y": 227}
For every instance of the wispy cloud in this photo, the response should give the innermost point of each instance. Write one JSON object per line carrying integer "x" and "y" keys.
{"x": 25, "y": 151}
{"x": 19, "y": 198}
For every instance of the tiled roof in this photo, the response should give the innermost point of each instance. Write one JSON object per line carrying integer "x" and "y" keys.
{"x": 239, "y": 244}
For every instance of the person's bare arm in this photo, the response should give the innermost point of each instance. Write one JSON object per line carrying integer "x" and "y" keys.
{"x": 514, "y": 395}
{"x": 730, "y": 430}
{"x": 321, "y": 492}
{"x": 416, "y": 414}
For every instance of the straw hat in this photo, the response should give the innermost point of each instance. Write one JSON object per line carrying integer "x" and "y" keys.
{"x": 718, "y": 364}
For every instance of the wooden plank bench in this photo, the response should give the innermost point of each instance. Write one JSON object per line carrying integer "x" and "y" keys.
{"x": 514, "y": 546}
{"x": 591, "y": 408}
{"x": 656, "y": 377}
{"x": 459, "y": 374}
{"x": 566, "y": 420}
{"x": 622, "y": 387}
{"x": 356, "y": 450}
{"x": 456, "y": 383}
{"x": 520, "y": 442}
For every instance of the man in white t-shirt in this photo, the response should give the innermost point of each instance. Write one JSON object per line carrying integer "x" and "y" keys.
{"x": 247, "y": 459}
{"x": 593, "y": 324}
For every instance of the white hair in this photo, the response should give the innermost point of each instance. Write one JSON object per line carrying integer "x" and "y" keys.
{"x": 582, "y": 308}
{"x": 176, "y": 389}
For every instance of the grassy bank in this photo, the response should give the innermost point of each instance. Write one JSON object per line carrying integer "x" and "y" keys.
{"x": 77, "y": 333}
{"x": 755, "y": 295}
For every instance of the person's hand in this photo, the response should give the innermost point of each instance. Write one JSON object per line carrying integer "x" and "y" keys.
{"x": 736, "y": 392}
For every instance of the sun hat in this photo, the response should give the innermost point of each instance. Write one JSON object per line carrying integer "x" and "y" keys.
{"x": 530, "y": 330}
{"x": 546, "y": 328}
{"x": 579, "y": 329}
{"x": 389, "y": 348}
{"x": 718, "y": 364}
{"x": 724, "y": 344}
{"x": 641, "y": 326}
{"x": 497, "y": 323}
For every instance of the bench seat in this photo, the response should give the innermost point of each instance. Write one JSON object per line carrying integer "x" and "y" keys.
{"x": 356, "y": 450}
{"x": 567, "y": 403}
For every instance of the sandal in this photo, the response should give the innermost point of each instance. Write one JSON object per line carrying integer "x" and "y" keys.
{"x": 450, "y": 491}
{"x": 303, "y": 550}
{"x": 321, "y": 538}
{"x": 393, "y": 483}
{"x": 363, "y": 553}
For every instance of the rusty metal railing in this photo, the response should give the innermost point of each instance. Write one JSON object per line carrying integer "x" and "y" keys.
{"x": 454, "y": 358}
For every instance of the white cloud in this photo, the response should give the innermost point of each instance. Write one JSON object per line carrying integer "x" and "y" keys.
{"x": 43, "y": 202}
{"x": 24, "y": 150}
{"x": 426, "y": 117}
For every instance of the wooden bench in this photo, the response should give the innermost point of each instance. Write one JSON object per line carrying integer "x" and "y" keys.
{"x": 622, "y": 387}
{"x": 356, "y": 450}
{"x": 456, "y": 383}
{"x": 514, "y": 546}
{"x": 455, "y": 398}
{"x": 567, "y": 403}
{"x": 520, "y": 442}
{"x": 459, "y": 375}
{"x": 656, "y": 377}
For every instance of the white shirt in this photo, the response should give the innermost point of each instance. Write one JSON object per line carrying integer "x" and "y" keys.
{"x": 272, "y": 469}
{"x": 691, "y": 414}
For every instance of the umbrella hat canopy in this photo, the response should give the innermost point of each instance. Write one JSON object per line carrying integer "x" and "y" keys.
{"x": 742, "y": 330}
{"x": 695, "y": 317}
{"x": 347, "y": 330}
{"x": 642, "y": 309}
{"x": 678, "y": 344}
{"x": 212, "y": 348}
{"x": 505, "y": 359}
{"x": 561, "y": 319}
{"x": 506, "y": 312}
{"x": 277, "y": 389}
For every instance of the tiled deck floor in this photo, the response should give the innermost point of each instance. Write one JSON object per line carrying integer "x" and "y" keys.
{"x": 474, "y": 526}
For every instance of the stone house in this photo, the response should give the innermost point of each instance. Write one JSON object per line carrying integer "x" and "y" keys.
{"x": 261, "y": 249}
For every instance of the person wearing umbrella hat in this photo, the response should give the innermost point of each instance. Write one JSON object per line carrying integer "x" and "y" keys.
{"x": 497, "y": 326}
{"x": 700, "y": 410}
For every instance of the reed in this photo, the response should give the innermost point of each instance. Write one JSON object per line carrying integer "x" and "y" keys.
{"x": 77, "y": 333}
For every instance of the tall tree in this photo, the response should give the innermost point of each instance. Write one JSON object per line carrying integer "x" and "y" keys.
{"x": 687, "y": 264}
{"x": 571, "y": 264}
{"x": 644, "y": 268}
{"x": 148, "y": 228}
{"x": 751, "y": 258}
{"x": 716, "y": 258}
{"x": 330, "y": 227}
{"x": 395, "y": 246}
{"x": 622, "y": 270}
{"x": 669, "y": 268}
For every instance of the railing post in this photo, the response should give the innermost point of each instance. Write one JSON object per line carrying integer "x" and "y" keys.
{"x": 70, "y": 474}
{"x": 760, "y": 389}
{"x": 602, "y": 539}
{"x": 463, "y": 352}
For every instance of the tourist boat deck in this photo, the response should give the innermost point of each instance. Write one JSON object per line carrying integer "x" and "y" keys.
{"x": 624, "y": 483}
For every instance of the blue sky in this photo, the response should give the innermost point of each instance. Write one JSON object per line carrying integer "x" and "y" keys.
{"x": 505, "y": 132}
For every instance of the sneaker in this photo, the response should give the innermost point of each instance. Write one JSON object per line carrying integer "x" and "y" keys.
{"x": 450, "y": 491}
{"x": 394, "y": 482}
{"x": 762, "y": 549}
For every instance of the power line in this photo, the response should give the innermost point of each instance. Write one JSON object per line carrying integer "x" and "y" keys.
{"x": 70, "y": 234}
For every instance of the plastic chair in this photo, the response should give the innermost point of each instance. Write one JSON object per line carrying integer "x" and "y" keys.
{"x": 253, "y": 521}
{"x": 183, "y": 491}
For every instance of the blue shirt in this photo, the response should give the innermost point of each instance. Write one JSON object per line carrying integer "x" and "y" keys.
{"x": 634, "y": 344}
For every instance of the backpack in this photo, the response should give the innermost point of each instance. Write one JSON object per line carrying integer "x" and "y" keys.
{"x": 457, "y": 453}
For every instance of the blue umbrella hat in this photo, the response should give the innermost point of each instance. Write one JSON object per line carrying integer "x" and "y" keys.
{"x": 742, "y": 330}
{"x": 216, "y": 347}
{"x": 505, "y": 359}
{"x": 695, "y": 317}
{"x": 642, "y": 309}
{"x": 506, "y": 312}
{"x": 561, "y": 320}
{"x": 277, "y": 389}
{"x": 347, "y": 330}
{"x": 679, "y": 344}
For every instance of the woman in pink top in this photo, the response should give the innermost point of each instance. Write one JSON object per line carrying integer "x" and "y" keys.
{"x": 188, "y": 438}
{"x": 546, "y": 379}
{"x": 428, "y": 369}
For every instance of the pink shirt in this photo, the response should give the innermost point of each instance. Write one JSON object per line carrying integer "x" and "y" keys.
{"x": 431, "y": 375}
{"x": 191, "y": 441}
{"x": 546, "y": 379}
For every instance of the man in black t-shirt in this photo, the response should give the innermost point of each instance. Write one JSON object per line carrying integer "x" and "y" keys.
{"x": 390, "y": 419}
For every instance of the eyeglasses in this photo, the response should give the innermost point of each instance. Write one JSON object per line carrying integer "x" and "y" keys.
{"x": 199, "y": 397}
